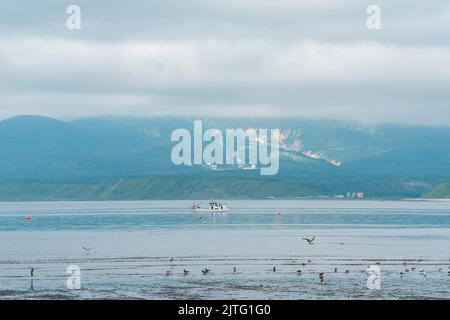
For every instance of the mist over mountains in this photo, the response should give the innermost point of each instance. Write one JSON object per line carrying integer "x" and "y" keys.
{"x": 47, "y": 159}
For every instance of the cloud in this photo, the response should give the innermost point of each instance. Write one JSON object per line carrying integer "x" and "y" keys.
{"x": 226, "y": 57}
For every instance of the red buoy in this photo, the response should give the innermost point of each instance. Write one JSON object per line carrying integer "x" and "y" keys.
{"x": 28, "y": 218}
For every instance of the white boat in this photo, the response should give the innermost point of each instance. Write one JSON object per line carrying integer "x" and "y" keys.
{"x": 212, "y": 207}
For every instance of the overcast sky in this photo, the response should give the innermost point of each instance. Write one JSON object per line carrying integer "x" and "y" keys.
{"x": 271, "y": 58}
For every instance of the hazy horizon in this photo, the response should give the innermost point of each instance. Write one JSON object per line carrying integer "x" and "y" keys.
{"x": 228, "y": 118}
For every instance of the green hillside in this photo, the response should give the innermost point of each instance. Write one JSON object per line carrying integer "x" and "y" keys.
{"x": 81, "y": 159}
{"x": 440, "y": 191}
{"x": 155, "y": 189}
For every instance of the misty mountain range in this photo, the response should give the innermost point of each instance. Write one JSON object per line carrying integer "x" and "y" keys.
{"x": 111, "y": 158}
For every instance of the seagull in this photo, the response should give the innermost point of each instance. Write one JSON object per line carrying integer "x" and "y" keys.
{"x": 234, "y": 269}
{"x": 32, "y": 272}
{"x": 310, "y": 241}
{"x": 309, "y": 261}
{"x": 171, "y": 259}
{"x": 299, "y": 271}
{"x": 205, "y": 271}
{"x": 168, "y": 273}
{"x": 347, "y": 271}
{"x": 413, "y": 269}
{"x": 185, "y": 272}
{"x": 321, "y": 277}
{"x": 406, "y": 270}
{"x": 86, "y": 249}
{"x": 274, "y": 269}
{"x": 335, "y": 270}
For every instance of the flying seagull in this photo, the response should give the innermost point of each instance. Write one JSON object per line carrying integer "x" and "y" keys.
{"x": 310, "y": 241}
{"x": 86, "y": 249}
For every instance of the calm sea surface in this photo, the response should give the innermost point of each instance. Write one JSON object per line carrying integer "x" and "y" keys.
{"x": 139, "y": 250}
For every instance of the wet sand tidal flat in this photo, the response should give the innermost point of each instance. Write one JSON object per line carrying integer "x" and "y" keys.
{"x": 139, "y": 250}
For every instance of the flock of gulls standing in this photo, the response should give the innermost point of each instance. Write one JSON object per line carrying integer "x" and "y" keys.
{"x": 321, "y": 274}
{"x": 310, "y": 241}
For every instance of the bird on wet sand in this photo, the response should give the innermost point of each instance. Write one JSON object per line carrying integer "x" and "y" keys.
{"x": 299, "y": 271}
{"x": 234, "y": 269}
{"x": 171, "y": 259}
{"x": 186, "y": 272}
{"x": 32, "y": 271}
{"x": 321, "y": 277}
{"x": 168, "y": 273}
{"x": 274, "y": 269}
{"x": 205, "y": 271}
{"x": 335, "y": 270}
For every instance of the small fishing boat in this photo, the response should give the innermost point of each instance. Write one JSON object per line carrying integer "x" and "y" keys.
{"x": 212, "y": 207}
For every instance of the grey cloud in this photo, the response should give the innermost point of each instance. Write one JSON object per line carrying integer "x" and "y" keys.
{"x": 227, "y": 57}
